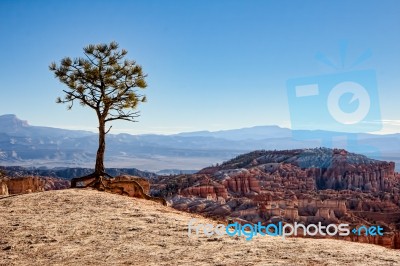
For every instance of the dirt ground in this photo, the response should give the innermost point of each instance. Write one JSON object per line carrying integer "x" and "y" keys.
{"x": 86, "y": 227}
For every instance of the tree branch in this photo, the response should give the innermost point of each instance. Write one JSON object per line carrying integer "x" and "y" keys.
{"x": 130, "y": 116}
{"x": 108, "y": 129}
{"x": 79, "y": 97}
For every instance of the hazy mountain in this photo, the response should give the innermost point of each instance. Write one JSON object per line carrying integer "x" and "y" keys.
{"x": 175, "y": 172}
{"x": 26, "y": 145}
{"x": 12, "y": 126}
{"x": 252, "y": 133}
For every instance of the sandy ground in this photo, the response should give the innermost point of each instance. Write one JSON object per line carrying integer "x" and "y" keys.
{"x": 85, "y": 227}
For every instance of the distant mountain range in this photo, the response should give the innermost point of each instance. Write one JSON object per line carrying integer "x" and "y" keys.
{"x": 26, "y": 145}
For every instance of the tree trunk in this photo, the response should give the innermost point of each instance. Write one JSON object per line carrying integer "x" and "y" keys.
{"x": 99, "y": 168}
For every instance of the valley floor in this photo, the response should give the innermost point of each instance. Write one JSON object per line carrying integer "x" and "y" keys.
{"x": 86, "y": 227}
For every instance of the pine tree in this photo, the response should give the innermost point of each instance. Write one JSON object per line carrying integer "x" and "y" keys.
{"x": 105, "y": 82}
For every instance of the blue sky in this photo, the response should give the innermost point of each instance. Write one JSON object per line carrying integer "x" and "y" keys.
{"x": 211, "y": 65}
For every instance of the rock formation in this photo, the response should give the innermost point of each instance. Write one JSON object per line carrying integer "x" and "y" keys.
{"x": 131, "y": 186}
{"x": 3, "y": 187}
{"x": 27, "y": 184}
{"x": 308, "y": 186}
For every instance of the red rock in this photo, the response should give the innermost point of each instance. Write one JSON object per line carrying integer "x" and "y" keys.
{"x": 275, "y": 185}
{"x": 3, "y": 187}
{"x": 27, "y": 184}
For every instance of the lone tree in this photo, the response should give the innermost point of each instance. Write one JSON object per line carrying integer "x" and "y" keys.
{"x": 106, "y": 82}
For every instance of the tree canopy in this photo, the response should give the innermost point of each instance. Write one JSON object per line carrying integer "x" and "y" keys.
{"x": 104, "y": 81}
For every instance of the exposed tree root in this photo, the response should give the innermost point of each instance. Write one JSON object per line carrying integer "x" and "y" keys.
{"x": 123, "y": 185}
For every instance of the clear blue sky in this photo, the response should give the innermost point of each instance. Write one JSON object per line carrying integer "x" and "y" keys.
{"x": 211, "y": 64}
